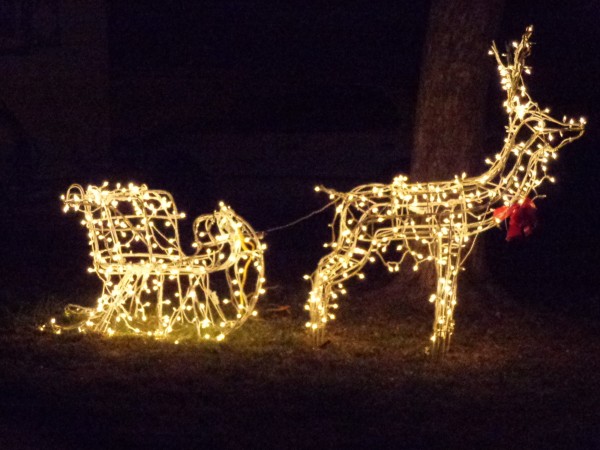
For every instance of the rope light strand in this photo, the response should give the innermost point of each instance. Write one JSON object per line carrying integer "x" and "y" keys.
{"x": 438, "y": 222}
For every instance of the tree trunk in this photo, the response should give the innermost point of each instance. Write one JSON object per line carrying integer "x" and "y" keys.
{"x": 455, "y": 75}
{"x": 450, "y": 120}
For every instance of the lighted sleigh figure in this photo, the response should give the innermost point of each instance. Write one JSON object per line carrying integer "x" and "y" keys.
{"x": 438, "y": 222}
{"x": 150, "y": 286}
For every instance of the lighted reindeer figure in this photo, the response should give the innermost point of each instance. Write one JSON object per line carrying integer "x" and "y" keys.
{"x": 438, "y": 222}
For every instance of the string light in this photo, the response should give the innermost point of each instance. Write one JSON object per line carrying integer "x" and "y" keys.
{"x": 150, "y": 286}
{"x": 438, "y": 222}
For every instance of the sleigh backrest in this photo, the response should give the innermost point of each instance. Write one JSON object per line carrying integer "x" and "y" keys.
{"x": 129, "y": 224}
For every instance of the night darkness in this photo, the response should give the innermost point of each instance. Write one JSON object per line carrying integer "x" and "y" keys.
{"x": 255, "y": 103}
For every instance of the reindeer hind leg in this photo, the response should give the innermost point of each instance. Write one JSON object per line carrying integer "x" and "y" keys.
{"x": 447, "y": 260}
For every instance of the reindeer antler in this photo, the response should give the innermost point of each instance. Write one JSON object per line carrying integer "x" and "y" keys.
{"x": 511, "y": 73}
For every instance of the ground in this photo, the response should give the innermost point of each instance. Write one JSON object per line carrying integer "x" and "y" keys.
{"x": 516, "y": 377}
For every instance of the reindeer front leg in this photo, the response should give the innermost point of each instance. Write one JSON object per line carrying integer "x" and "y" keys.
{"x": 334, "y": 269}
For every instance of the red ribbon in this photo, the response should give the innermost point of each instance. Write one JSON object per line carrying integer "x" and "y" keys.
{"x": 522, "y": 217}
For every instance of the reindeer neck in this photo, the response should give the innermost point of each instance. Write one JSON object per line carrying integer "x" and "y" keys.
{"x": 513, "y": 175}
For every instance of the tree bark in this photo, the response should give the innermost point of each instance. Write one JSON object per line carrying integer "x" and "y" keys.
{"x": 450, "y": 120}
{"x": 455, "y": 74}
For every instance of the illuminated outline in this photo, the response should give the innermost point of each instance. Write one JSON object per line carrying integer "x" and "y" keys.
{"x": 438, "y": 222}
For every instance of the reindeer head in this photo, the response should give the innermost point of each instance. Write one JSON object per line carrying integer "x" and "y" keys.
{"x": 532, "y": 135}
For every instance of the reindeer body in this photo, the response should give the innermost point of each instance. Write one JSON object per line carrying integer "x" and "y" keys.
{"x": 438, "y": 222}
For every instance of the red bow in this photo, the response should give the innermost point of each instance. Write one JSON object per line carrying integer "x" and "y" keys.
{"x": 522, "y": 218}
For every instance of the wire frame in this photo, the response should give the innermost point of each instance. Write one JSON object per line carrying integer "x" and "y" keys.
{"x": 438, "y": 222}
{"x": 150, "y": 286}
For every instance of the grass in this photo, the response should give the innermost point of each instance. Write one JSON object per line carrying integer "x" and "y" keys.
{"x": 514, "y": 378}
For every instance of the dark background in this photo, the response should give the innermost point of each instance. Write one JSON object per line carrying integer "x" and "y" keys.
{"x": 254, "y": 103}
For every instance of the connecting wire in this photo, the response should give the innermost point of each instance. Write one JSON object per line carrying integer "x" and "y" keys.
{"x": 301, "y": 219}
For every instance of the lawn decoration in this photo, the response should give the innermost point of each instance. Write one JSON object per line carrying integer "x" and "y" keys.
{"x": 150, "y": 286}
{"x": 438, "y": 222}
